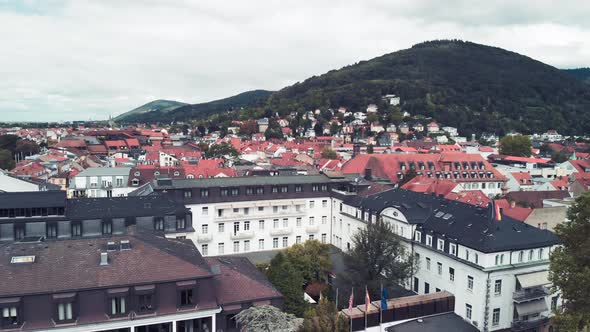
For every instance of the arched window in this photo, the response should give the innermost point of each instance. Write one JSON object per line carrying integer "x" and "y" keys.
{"x": 531, "y": 255}
{"x": 190, "y": 176}
{"x": 520, "y": 256}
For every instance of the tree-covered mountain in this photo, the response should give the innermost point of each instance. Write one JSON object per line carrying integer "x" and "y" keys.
{"x": 474, "y": 87}
{"x": 160, "y": 105}
{"x": 191, "y": 111}
{"x": 583, "y": 74}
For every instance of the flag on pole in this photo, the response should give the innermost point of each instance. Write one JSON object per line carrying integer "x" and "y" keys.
{"x": 350, "y": 301}
{"x": 367, "y": 300}
{"x": 498, "y": 212}
{"x": 383, "y": 298}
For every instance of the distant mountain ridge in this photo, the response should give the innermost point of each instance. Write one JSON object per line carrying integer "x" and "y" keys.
{"x": 473, "y": 87}
{"x": 184, "y": 111}
{"x": 160, "y": 105}
{"x": 583, "y": 74}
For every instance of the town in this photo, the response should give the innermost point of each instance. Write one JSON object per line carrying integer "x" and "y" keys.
{"x": 475, "y": 218}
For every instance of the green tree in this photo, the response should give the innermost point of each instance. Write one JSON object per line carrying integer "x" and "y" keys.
{"x": 370, "y": 149}
{"x": 334, "y": 128}
{"x": 311, "y": 259}
{"x": 409, "y": 175}
{"x": 560, "y": 156}
{"x": 324, "y": 318}
{"x": 249, "y": 127}
{"x": 329, "y": 153}
{"x": 274, "y": 130}
{"x": 221, "y": 151}
{"x": 267, "y": 318}
{"x": 6, "y": 161}
{"x": 516, "y": 145}
{"x": 289, "y": 281}
{"x": 26, "y": 147}
{"x": 570, "y": 267}
{"x": 378, "y": 258}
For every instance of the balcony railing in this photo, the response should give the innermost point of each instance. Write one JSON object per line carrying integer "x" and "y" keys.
{"x": 281, "y": 231}
{"x": 526, "y": 325}
{"x": 202, "y": 238}
{"x": 312, "y": 229}
{"x": 530, "y": 294}
{"x": 254, "y": 215}
{"x": 242, "y": 235}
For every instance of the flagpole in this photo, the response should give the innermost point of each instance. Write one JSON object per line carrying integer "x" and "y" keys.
{"x": 381, "y": 310}
{"x": 366, "y": 307}
{"x": 349, "y": 306}
{"x": 336, "y": 299}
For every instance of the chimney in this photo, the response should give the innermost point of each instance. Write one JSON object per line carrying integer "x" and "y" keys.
{"x": 104, "y": 258}
{"x": 368, "y": 174}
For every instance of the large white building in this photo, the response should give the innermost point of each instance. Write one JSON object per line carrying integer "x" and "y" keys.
{"x": 497, "y": 269}
{"x": 101, "y": 182}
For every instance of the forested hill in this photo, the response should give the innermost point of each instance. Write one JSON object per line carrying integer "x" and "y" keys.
{"x": 583, "y": 74}
{"x": 470, "y": 86}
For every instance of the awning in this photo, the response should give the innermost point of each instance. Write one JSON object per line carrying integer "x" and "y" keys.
{"x": 532, "y": 307}
{"x": 533, "y": 279}
{"x": 144, "y": 289}
{"x": 64, "y": 296}
{"x": 114, "y": 291}
{"x": 232, "y": 307}
{"x": 10, "y": 300}
{"x": 186, "y": 283}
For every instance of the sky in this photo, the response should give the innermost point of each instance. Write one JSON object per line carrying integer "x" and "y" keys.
{"x": 64, "y": 60}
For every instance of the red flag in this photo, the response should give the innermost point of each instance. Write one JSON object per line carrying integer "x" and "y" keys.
{"x": 367, "y": 300}
{"x": 498, "y": 212}
{"x": 350, "y": 301}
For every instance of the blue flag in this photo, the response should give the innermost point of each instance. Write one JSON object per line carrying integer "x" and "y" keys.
{"x": 384, "y": 299}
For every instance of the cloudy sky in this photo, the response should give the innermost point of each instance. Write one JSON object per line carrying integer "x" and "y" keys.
{"x": 76, "y": 60}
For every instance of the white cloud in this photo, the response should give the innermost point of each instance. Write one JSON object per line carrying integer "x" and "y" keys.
{"x": 87, "y": 59}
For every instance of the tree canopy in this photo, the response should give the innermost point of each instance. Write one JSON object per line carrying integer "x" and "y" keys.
{"x": 221, "y": 150}
{"x": 570, "y": 267}
{"x": 378, "y": 258}
{"x": 324, "y": 318}
{"x": 274, "y": 130}
{"x": 516, "y": 145}
{"x": 329, "y": 153}
{"x": 267, "y": 318}
{"x": 6, "y": 161}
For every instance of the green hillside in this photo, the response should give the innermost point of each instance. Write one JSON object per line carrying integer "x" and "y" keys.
{"x": 583, "y": 74}
{"x": 160, "y": 105}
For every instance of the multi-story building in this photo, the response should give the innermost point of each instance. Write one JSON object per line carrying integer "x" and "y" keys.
{"x": 255, "y": 213}
{"x": 101, "y": 182}
{"x": 141, "y": 282}
{"x": 496, "y": 269}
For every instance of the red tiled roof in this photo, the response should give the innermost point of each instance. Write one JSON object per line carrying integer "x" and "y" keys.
{"x": 516, "y": 212}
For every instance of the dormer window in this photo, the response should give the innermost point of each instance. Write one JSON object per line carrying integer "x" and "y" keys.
{"x": 186, "y": 290}
{"x": 176, "y": 173}
{"x": 135, "y": 182}
{"x": 10, "y": 309}
{"x": 137, "y": 173}
{"x": 64, "y": 308}
{"x": 440, "y": 245}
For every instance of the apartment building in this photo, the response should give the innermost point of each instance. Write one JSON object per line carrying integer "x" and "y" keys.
{"x": 496, "y": 269}
{"x": 134, "y": 283}
{"x": 101, "y": 182}
{"x": 256, "y": 213}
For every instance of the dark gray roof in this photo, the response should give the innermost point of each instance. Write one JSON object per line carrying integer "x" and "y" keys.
{"x": 443, "y": 322}
{"x": 468, "y": 225}
{"x": 121, "y": 207}
{"x": 245, "y": 181}
{"x": 29, "y": 199}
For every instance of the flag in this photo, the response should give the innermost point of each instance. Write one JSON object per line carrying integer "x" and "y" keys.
{"x": 383, "y": 298}
{"x": 498, "y": 213}
{"x": 350, "y": 302}
{"x": 367, "y": 300}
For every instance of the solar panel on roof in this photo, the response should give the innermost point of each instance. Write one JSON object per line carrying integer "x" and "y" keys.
{"x": 439, "y": 214}
{"x": 447, "y": 216}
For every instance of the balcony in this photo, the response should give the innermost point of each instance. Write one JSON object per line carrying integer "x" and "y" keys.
{"x": 527, "y": 325}
{"x": 202, "y": 238}
{"x": 281, "y": 231}
{"x": 312, "y": 229}
{"x": 529, "y": 294}
{"x": 241, "y": 235}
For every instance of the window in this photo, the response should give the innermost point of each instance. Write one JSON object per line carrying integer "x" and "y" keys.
{"x": 236, "y": 246}
{"x": 324, "y": 237}
{"x": 418, "y": 236}
{"x": 107, "y": 227}
{"x": 246, "y": 245}
{"x": 118, "y": 305}
{"x": 283, "y": 207}
{"x": 249, "y": 191}
{"x": 470, "y": 283}
{"x": 311, "y": 204}
{"x": 311, "y": 221}
{"x": 298, "y": 239}
{"x": 205, "y": 193}
{"x": 220, "y": 212}
{"x": 324, "y": 187}
{"x": 204, "y": 228}
{"x": 275, "y": 209}
{"x": 453, "y": 249}
{"x": 236, "y": 210}
{"x": 145, "y": 302}
{"x": 520, "y": 256}
{"x": 261, "y": 244}
{"x": 531, "y": 252}
{"x": 186, "y": 297}
{"x": 298, "y": 188}
{"x": 221, "y": 227}
{"x": 428, "y": 263}
{"x": 246, "y": 210}
{"x": 498, "y": 287}
{"x": 554, "y": 300}
{"x": 468, "y": 310}
{"x": 285, "y": 242}
{"x": 188, "y": 194}
{"x": 440, "y": 245}
{"x": 275, "y": 242}
{"x": 235, "y": 191}
{"x": 451, "y": 274}
{"x": 65, "y": 312}
{"x": 500, "y": 259}
{"x": 285, "y": 222}
{"x": 429, "y": 240}
{"x": 259, "y": 190}
{"x": 246, "y": 225}
{"x": 284, "y": 189}
{"x": 205, "y": 211}
{"x": 275, "y": 223}
{"x": 416, "y": 285}
{"x": 496, "y": 317}
{"x": 224, "y": 192}
{"x": 541, "y": 253}
{"x": 476, "y": 258}
{"x": 236, "y": 227}
{"x": 314, "y": 188}
{"x": 324, "y": 203}
{"x": 261, "y": 224}
{"x": 220, "y": 248}
{"x": 466, "y": 255}
{"x": 274, "y": 190}
{"x": 76, "y": 229}
{"x": 51, "y": 230}
{"x": 158, "y": 224}
{"x": 311, "y": 237}
{"x": 180, "y": 223}
{"x": 426, "y": 288}
{"x": 204, "y": 249}
{"x": 439, "y": 265}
